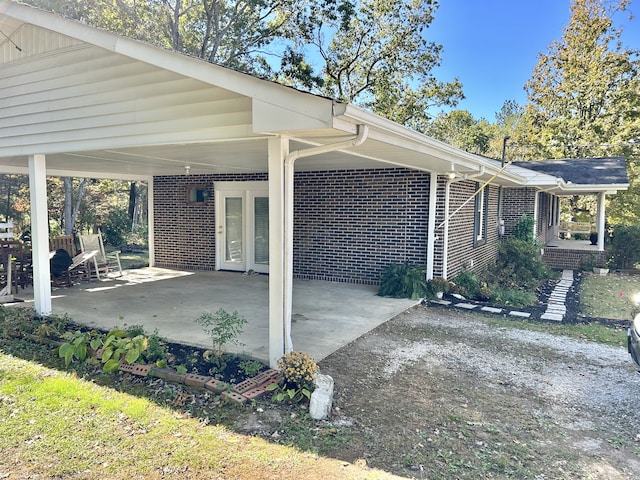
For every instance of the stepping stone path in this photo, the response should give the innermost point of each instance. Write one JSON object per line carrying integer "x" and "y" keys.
{"x": 556, "y": 308}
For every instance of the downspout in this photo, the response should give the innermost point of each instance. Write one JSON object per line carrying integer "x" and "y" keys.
{"x": 289, "y": 164}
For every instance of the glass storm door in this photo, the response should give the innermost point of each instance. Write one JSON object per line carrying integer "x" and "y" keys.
{"x": 242, "y": 226}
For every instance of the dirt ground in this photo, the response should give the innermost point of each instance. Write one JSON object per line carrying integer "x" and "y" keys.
{"x": 437, "y": 393}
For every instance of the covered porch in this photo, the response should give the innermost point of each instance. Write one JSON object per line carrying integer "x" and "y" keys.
{"x": 325, "y": 315}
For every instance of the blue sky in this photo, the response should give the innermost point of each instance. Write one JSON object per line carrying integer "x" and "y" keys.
{"x": 493, "y": 45}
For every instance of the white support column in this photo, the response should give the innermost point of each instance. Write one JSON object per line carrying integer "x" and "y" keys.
{"x": 40, "y": 234}
{"x": 536, "y": 213}
{"x": 431, "y": 223}
{"x": 601, "y": 220}
{"x": 279, "y": 294}
{"x": 150, "y": 223}
{"x": 445, "y": 231}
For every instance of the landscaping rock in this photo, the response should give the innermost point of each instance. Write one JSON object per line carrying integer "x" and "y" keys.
{"x": 321, "y": 397}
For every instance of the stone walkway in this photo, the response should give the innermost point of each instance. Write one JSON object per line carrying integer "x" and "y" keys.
{"x": 556, "y": 308}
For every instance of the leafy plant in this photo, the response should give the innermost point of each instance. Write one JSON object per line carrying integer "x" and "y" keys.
{"x": 298, "y": 370}
{"x": 282, "y": 393}
{"x": 119, "y": 346}
{"x": 523, "y": 230}
{"x": 77, "y": 346}
{"x": 403, "y": 281}
{"x": 250, "y": 367}
{"x": 466, "y": 283}
{"x": 519, "y": 264}
{"x": 223, "y": 327}
{"x": 439, "y": 284}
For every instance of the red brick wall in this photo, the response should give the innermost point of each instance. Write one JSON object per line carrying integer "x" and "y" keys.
{"x": 349, "y": 225}
{"x": 462, "y": 252}
{"x": 185, "y": 234}
{"x": 570, "y": 259}
{"x": 517, "y": 202}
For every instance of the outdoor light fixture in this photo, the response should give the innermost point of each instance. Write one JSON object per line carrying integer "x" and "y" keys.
{"x": 187, "y": 169}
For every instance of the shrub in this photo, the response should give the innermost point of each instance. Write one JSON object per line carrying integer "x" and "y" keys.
{"x": 403, "y": 281}
{"x": 298, "y": 370}
{"x": 514, "y": 297}
{"x": 624, "y": 250}
{"x": 223, "y": 327}
{"x": 116, "y": 226}
{"x": 519, "y": 264}
{"x": 467, "y": 283}
{"x": 524, "y": 228}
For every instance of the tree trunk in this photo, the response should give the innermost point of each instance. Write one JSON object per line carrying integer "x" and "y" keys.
{"x": 71, "y": 210}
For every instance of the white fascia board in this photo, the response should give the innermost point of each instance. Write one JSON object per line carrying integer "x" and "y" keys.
{"x": 294, "y": 115}
{"x": 393, "y": 133}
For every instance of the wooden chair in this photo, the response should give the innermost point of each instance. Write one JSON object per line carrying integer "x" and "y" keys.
{"x": 65, "y": 242}
{"x": 102, "y": 262}
{"x": 79, "y": 269}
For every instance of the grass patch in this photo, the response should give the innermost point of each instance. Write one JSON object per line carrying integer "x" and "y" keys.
{"x": 610, "y": 296}
{"x": 130, "y": 260}
{"x": 592, "y": 331}
{"x": 56, "y": 425}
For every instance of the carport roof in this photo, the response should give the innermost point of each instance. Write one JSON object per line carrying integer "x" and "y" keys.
{"x": 101, "y": 105}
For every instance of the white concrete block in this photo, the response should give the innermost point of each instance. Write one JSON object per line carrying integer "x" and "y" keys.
{"x": 321, "y": 397}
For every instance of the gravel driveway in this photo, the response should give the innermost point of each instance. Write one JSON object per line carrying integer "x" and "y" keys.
{"x": 438, "y": 393}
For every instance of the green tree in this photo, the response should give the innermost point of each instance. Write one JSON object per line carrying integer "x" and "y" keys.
{"x": 583, "y": 97}
{"x": 460, "y": 129}
{"x": 373, "y": 54}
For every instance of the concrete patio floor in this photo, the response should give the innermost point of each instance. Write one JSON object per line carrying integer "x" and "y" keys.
{"x": 326, "y": 315}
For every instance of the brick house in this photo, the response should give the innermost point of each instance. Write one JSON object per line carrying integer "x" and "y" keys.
{"x": 246, "y": 174}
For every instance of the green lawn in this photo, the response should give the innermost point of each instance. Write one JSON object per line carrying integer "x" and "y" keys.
{"x": 610, "y": 296}
{"x": 55, "y": 425}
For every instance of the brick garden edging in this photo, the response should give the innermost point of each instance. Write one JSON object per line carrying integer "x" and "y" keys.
{"x": 233, "y": 393}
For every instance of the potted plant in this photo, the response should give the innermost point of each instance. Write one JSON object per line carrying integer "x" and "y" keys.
{"x": 439, "y": 286}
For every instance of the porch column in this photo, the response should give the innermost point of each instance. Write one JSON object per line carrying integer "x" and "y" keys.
{"x": 536, "y": 213}
{"x": 150, "y": 222}
{"x": 601, "y": 220}
{"x": 279, "y": 294}
{"x": 445, "y": 231}
{"x": 431, "y": 223}
{"x": 40, "y": 234}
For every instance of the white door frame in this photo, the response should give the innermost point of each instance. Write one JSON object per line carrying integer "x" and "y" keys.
{"x": 248, "y": 191}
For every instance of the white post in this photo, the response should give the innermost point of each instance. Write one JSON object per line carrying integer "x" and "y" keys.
{"x": 279, "y": 295}
{"x": 601, "y": 220}
{"x": 150, "y": 221}
{"x": 445, "y": 232}
{"x": 40, "y": 234}
{"x": 536, "y": 213}
{"x": 431, "y": 223}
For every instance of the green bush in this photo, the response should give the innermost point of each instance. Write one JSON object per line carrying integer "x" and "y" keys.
{"x": 519, "y": 264}
{"x": 524, "y": 228}
{"x": 625, "y": 246}
{"x": 467, "y": 283}
{"x": 116, "y": 226}
{"x": 403, "y": 281}
{"x": 514, "y": 297}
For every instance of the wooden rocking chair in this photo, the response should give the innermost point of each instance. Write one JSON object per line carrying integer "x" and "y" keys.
{"x": 103, "y": 263}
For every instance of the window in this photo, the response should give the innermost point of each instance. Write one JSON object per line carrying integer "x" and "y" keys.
{"x": 480, "y": 220}
{"x": 197, "y": 195}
